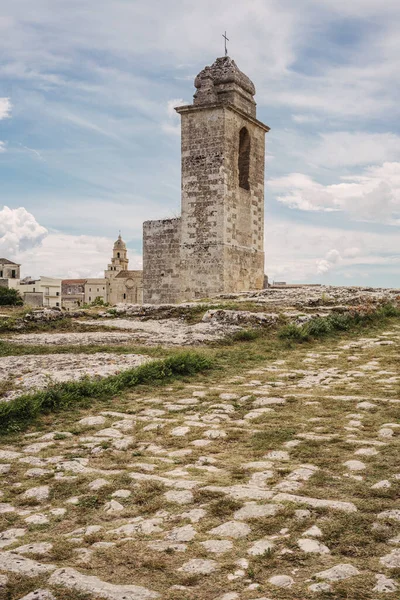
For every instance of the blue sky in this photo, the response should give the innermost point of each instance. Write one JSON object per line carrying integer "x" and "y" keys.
{"x": 89, "y": 140}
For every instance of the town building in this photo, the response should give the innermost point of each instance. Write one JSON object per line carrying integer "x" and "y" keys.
{"x": 72, "y": 293}
{"x": 9, "y": 272}
{"x": 96, "y": 290}
{"x": 46, "y": 288}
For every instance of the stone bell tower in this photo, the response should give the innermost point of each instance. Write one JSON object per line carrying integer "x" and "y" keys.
{"x": 119, "y": 260}
{"x": 217, "y": 246}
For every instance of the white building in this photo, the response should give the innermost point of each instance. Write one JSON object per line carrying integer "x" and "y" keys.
{"x": 95, "y": 289}
{"x": 50, "y": 287}
{"x": 9, "y": 270}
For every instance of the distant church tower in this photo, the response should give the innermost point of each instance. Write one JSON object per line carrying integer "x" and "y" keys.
{"x": 119, "y": 260}
{"x": 217, "y": 246}
{"x": 123, "y": 286}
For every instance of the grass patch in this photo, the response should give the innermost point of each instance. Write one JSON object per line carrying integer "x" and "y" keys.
{"x": 19, "y": 413}
{"x": 321, "y": 327}
{"x": 271, "y": 436}
{"x": 246, "y": 335}
{"x": 10, "y": 349}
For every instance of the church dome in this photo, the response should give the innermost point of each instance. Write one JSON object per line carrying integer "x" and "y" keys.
{"x": 225, "y": 83}
{"x": 120, "y": 244}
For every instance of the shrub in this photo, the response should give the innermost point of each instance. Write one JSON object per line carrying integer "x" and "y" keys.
{"x": 323, "y": 326}
{"x": 98, "y": 301}
{"x": 293, "y": 333}
{"x": 246, "y": 335}
{"x": 10, "y": 297}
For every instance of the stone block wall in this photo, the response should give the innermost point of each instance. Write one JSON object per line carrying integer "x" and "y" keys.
{"x": 222, "y": 223}
{"x": 161, "y": 261}
{"x": 203, "y": 188}
{"x": 33, "y": 298}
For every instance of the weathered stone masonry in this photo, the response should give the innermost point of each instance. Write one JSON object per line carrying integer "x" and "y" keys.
{"x": 161, "y": 260}
{"x": 218, "y": 243}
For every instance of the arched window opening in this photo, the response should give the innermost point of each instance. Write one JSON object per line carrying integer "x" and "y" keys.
{"x": 244, "y": 158}
{"x": 118, "y": 254}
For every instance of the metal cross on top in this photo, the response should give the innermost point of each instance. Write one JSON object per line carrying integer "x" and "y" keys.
{"x": 226, "y": 40}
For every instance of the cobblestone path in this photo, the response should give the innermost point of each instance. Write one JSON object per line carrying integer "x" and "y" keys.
{"x": 282, "y": 482}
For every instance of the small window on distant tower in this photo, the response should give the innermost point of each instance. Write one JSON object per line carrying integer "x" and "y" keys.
{"x": 118, "y": 254}
{"x": 244, "y": 158}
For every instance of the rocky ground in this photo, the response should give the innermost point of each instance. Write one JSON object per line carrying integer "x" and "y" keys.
{"x": 165, "y": 332}
{"x": 319, "y": 295}
{"x": 275, "y": 481}
{"x": 31, "y": 373}
{"x": 170, "y": 326}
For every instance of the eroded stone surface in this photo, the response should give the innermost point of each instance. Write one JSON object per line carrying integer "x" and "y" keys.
{"x": 391, "y": 560}
{"x": 312, "y": 546}
{"x": 385, "y": 584}
{"x": 217, "y": 546}
{"x": 253, "y": 511}
{"x": 231, "y": 529}
{"x": 198, "y": 566}
{"x": 282, "y": 581}
{"x": 338, "y": 572}
{"x": 39, "y": 594}
{"x": 14, "y": 563}
{"x": 260, "y": 547}
{"x": 73, "y": 580}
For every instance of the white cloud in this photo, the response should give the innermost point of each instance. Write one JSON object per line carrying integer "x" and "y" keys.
{"x": 309, "y": 253}
{"x": 347, "y": 149}
{"x": 172, "y": 104}
{"x": 19, "y": 232}
{"x": 173, "y": 125}
{"x": 304, "y": 193}
{"x": 268, "y": 40}
{"x": 372, "y": 196}
{"x": 326, "y": 264}
{"x": 5, "y": 108}
{"x": 54, "y": 254}
{"x": 305, "y": 119}
{"x": 5, "y": 111}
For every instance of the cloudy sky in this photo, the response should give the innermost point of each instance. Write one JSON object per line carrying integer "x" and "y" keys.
{"x": 89, "y": 140}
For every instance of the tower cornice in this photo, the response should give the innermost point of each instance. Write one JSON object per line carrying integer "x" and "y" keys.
{"x": 189, "y": 108}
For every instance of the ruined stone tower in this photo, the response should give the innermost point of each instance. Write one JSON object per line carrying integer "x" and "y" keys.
{"x": 217, "y": 245}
